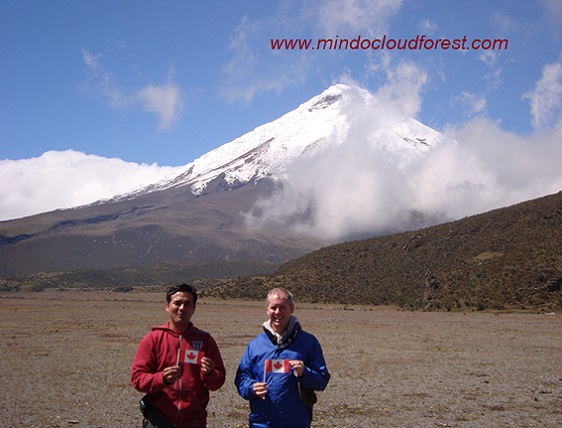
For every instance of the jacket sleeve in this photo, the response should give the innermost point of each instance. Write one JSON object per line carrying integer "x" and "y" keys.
{"x": 245, "y": 380}
{"x": 316, "y": 375}
{"x": 214, "y": 380}
{"x": 145, "y": 376}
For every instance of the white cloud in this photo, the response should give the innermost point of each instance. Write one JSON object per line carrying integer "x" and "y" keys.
{"x": 354, "y": 17}
{"x": 255, "y": 68}
{"x": 546, "y": 97}
{"x": 403, "y": 88}
{"x": 354, "y": 189}
{"x": 428, "y": 26}
{"x": 473, "y": 104}
{"x": 489, "y": 57}
{"x": 503, "y": 22}
{"x": 101, "y": 82}
{"x": 166, "y": 101}
{"x": 66, "y": 179}
{"x": 553, "y": 13}
{"x": 482, "y": 167}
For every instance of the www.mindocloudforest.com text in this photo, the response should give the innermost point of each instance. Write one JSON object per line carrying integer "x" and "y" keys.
{"x": 420, "y": 42}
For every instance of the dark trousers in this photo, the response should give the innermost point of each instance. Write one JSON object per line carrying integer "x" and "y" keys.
{"x": 156, "y": 424}
{"x": 153, "y": 418}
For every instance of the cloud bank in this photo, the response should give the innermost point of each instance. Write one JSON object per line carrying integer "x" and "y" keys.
{"x": 67, "y": 179}
{"x": 357, "y": 189}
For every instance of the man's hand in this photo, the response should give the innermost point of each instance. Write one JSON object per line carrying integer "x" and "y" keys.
{"x": 260, "y": 389}
{"x": 207, "y": 366}
{"x": 171, "y": 374}
{"x": 298, "y": 367}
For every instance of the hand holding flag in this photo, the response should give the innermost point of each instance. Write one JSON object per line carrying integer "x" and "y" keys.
{"x": 276, "y": 366}
{"x": 271, "y": 366}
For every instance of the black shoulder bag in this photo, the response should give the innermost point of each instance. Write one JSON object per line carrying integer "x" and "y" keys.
{"x": 307, "y": 396}
{"x": 152, "y": 415}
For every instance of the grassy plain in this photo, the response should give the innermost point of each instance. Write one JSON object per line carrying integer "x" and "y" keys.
{"x": 65, "y": 361}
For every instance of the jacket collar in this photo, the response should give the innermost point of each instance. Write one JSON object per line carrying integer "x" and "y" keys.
{"x": 166, "y": 327}
{"x": 282, "y": 341}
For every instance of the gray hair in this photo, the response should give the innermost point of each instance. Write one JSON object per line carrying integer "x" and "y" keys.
{"x": 278, "y": 291}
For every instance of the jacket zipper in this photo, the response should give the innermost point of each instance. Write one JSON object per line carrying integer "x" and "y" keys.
{"x": 179, "y": 382}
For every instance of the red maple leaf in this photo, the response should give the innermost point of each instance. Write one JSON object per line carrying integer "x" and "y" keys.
{"x": 278, "y": 365}
{"x": 191, "y": 356}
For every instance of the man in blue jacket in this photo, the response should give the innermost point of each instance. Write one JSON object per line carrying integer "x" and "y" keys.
{"x": 279, "y": 366}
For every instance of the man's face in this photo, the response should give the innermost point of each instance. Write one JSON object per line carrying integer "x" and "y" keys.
{"x": 180, "y": 309}
{"x": 279, "y": 312}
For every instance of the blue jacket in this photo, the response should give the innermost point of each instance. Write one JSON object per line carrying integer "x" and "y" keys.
{"x": 282, "y": 407}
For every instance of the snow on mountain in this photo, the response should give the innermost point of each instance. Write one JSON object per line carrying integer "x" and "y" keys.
{"x": 322, "y": 122}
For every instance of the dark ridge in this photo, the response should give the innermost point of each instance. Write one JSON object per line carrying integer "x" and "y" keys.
{"x": 510, "y": 258}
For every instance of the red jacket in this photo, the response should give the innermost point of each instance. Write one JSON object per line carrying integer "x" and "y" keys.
{"x": 186, "y": 400}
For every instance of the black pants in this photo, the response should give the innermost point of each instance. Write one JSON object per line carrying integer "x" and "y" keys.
{"x": 153, "y": 418}
{"x": 155, "y": 424}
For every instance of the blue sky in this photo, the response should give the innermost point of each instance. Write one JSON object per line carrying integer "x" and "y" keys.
{"x": 160, "y": 83}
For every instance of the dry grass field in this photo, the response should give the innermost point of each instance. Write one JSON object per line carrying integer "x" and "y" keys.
{"x": 65, "y": 361}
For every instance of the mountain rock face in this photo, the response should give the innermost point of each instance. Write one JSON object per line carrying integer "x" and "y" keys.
{"x": 200, "y": 215}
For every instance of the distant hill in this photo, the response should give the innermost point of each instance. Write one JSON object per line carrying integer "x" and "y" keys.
{"x": 509, "y": 258}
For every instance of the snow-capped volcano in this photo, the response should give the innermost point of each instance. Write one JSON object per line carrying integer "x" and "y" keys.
{"x": 326, "y": 121}
{"x": 339, "y": 166}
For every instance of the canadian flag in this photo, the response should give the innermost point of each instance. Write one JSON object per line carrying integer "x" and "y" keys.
{"x": 277, "y": 366}
{"x": 190, "y": 356}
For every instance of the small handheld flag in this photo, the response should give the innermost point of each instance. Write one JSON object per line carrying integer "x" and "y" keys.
{"x": 190, "y": 356}
{"x": 277, "y": 366}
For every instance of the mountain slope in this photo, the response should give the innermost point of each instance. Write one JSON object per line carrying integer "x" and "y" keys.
{"x": 506, "y": 258}
{"x": 171, "y": 225}
{"x": 198, "y": 216}
{"x": 315, "y": 125}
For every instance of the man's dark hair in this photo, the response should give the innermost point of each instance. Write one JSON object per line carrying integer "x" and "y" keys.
{"x": 182, "y": 287}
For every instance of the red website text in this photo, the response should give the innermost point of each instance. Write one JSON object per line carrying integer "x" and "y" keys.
{"x": 420, "y": 42}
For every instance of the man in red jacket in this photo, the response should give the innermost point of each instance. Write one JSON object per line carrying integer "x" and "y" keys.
{"x": 176, "y": 366}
